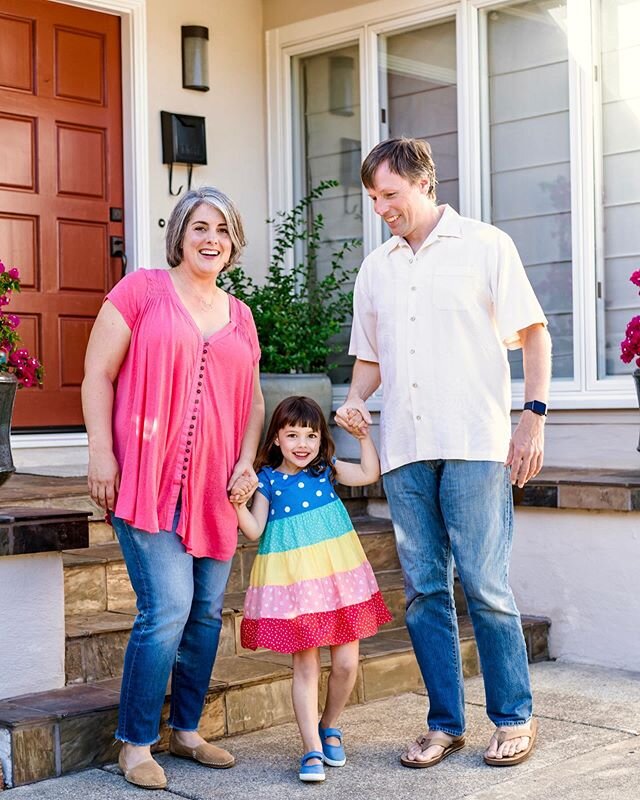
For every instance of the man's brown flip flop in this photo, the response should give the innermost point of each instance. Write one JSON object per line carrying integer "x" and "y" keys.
{"x": 516, "y": 733}
{"x": 444, "y": 740}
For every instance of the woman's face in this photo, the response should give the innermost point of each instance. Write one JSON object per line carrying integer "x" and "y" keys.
{"x": 206, "y": 247}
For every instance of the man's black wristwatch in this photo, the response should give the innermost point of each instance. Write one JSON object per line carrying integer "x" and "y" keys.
{"x": 537, "y": 406}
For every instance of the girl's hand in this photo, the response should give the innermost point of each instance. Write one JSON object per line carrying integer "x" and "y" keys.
{"x": 241, "y": 491}
{"x": 242, "y": 483}
{"x": 103, "y": 479}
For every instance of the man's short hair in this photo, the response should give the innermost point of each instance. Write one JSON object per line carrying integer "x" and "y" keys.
{"x": 409, "y": 158}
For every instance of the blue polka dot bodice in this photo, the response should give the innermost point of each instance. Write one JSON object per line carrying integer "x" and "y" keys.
{"x": 290, "y": 495}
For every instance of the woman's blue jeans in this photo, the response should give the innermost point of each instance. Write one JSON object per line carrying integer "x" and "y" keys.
{"x": 450, "y": 510}
{"x": 176, "y": 631}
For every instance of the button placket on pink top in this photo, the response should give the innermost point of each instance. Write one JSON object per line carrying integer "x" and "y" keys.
{"x": 192, "y": 429}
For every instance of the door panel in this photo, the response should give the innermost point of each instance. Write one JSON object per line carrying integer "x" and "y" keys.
{"x": 60, "y": 172}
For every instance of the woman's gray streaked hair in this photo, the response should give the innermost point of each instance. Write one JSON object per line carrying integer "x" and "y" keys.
{"x": 181, "y": 214}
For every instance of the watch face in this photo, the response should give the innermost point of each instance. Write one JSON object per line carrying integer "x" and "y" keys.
{"x": 537, "y": 407}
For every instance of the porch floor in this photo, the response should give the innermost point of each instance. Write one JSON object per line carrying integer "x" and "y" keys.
{"x": 588, "y": 749}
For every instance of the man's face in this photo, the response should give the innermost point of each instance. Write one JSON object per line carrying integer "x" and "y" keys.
{"x": 403, "y": 205}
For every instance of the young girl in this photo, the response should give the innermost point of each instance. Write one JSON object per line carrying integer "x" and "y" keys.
{"x": 311, "y": 584}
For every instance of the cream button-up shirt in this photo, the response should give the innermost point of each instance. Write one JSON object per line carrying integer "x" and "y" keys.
{"x": 439, "y": 323}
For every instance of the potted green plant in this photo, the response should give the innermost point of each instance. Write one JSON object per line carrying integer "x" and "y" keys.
{"x": 630, "y": 345}
{"x": 297, "y": 312}
{"x": 17, "y": 367}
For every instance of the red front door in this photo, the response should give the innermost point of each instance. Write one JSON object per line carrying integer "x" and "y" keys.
{"x": 61, "y": 187}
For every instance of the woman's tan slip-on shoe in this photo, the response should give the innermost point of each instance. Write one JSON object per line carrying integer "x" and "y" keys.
{"x": 504, "y": 736}
{"x": 148, "y": 775}
{"x": 206, "y": 754}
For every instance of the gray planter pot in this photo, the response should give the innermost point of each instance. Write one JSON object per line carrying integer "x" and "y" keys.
{"x": 276, "y": 387}
{"x": 8, "y": 387}
{"x": 636, "y": 378}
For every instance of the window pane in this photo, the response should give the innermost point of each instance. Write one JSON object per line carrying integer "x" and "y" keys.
{"x": 621, "y": 173}
{"x": 327, "y": 141}
{"x": 418, "y": 96}
{"x": 529, "y": 195}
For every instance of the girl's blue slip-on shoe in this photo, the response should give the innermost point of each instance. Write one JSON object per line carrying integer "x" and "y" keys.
{"x": 311, "y": 773}
{"x": 334, "y": 754}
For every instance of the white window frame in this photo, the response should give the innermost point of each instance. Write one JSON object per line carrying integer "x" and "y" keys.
{"x": 362, "y": 25}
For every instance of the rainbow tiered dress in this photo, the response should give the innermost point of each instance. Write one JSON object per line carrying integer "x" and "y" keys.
{"x": 311, "y": 584}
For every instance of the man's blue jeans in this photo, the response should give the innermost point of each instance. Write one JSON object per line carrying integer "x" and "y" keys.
{"x": 463, "y": 510}
{"x": 176, "y": 632}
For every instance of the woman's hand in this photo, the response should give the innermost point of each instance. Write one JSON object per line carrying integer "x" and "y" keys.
{"x": 104, "y": 479}
{"x": 242, "y": 483}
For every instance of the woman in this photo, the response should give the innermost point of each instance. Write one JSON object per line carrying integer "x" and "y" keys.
{"x": 166, "y": 445}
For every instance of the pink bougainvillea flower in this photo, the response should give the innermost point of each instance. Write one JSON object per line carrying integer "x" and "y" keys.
{"x": 14, "y": 358}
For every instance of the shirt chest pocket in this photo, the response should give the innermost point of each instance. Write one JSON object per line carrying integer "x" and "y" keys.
{"x": 455, "y": 288}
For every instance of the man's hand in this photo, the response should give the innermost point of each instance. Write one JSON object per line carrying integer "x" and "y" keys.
{"x": 354, "y": 418}
{"x": 526, "y": 449}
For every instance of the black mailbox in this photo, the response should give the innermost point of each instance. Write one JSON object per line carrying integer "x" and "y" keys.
{"x": 183, "y": 139}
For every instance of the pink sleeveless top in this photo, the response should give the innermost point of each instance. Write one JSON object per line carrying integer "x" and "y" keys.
{"x": 181, "y": 408}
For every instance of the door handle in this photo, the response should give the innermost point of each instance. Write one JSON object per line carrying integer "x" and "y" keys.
{"x": 116, "y": 249}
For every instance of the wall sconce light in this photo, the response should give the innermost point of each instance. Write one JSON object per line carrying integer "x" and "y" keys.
{"x": 195, "y": 57}
{"x": 341, "y": 85}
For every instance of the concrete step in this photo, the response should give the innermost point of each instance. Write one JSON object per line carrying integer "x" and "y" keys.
{"x": 52, "y": 733}
{"x": 40, "y": 491}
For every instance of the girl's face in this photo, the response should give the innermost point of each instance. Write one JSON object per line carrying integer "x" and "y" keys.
{"x": 299, "y": 446}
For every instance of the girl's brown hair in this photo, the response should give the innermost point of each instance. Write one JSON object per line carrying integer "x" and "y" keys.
{"x": 305, "y": 413}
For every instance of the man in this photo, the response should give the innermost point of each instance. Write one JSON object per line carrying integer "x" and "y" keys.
{"x": 436, "y": 308}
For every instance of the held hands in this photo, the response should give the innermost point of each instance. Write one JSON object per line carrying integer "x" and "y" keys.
{"x": 242, "y": 483}
{"x": 103, "y": 479}
{"x": 354, "y": 418}
{"x": 526, "y": 448}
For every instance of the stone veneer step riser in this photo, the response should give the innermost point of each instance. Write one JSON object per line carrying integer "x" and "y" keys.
{"x": 94, "y": 653}
{"x": 102, "y": 584}
{"x": 77, "y": 731}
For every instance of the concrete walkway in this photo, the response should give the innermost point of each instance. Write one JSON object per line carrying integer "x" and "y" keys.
{"x": 588, "y": 749}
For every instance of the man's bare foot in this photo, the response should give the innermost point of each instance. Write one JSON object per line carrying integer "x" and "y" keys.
{"x": 513, "y": 747}
{"x": 430, "y": 748}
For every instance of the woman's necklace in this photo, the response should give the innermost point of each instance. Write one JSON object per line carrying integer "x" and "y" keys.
{"x": 205, "y": 305}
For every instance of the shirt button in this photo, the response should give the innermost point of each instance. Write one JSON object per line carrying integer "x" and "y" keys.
{"x": 186, "y": 460}
{"x": 193, "y": 417}
{"x": 415, "y": 385}
{"x": 187, "y": 450}
{"x": 198, "y": 391}
{"x": 413, "y": 288}
{"x": 199, "y": 383}
{"x": 191, "y": 427}
{"x": 412, "y": 319}
{"x": 418, "y": 417}
{"x": 197, "y": 400}
{"x": 412, "y": 351}
{"x": 411, "y": 260}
